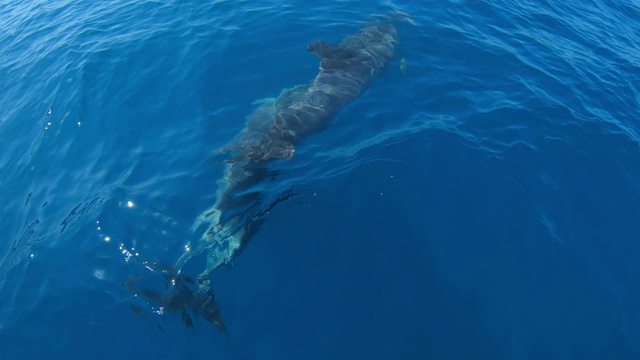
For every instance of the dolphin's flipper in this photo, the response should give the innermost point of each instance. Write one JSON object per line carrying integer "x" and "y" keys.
{"x": 291, "y": 96}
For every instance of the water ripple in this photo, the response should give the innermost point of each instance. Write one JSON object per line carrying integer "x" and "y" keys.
{"x": 111, "y": 103}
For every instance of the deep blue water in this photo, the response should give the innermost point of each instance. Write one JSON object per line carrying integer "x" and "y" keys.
{"x": 485, "y": 207}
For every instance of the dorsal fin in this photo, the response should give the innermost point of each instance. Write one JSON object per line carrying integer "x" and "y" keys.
{"x": 323, "y": 49}
{"x": 331, "y": 56}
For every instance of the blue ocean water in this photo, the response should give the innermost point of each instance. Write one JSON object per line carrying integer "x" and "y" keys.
{"x": 484, "y": 207}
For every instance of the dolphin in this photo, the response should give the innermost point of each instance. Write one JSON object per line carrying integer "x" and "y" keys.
{"x": 271, "y": 133}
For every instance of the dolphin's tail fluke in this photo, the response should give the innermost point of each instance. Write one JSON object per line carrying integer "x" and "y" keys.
{"x": 182, "y": 294}
{"x": 206, "y": 306}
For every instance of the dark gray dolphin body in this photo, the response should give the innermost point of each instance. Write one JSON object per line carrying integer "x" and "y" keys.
{"x": 271, "y": 132}
{"x": 346, "y": 70}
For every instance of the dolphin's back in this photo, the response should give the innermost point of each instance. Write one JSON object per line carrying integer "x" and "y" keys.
{"x": 346, "y": 69}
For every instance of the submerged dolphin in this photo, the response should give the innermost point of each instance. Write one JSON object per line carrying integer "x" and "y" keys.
{"x": 271, "y": 132}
